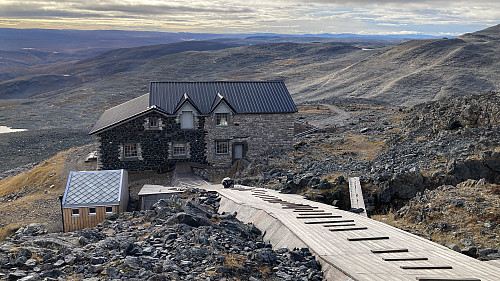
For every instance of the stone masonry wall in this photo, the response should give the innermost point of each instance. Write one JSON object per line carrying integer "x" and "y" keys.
{"x": 155, "y": 144}
{"x": 260, "y": 133}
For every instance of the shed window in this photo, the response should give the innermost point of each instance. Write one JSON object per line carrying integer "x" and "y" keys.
{"x": 92, "y": 212}
{"x": 222, "y": 119}
{"x": 179, "y": 149}
{"x": 222, "y": 147}
{"x": 109, "y": 210}
{"x": 130, "y": 150}
{"x": 75, "y": 212}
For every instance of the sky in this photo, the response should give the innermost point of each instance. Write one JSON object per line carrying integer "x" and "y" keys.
{"x": 383, "y": 17}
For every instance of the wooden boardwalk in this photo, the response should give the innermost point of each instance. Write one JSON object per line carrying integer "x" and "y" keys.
{"x": 349, "y": 246}
{"x": 356, "y": 195}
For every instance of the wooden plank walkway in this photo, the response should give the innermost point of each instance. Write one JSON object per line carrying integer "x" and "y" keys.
{"x": 349, "y": 246}
{"x": 356, "y": 195}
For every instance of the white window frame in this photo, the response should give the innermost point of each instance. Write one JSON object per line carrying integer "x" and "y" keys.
{"x": 92, "y": 213}
{"x": 223, "y": 151}
{"x": 154, "y": 122}
{"x": 219, "y": 119}
{"x": 179, "y": 145}
{"x": 106, "y": 209}
{"x": 130, "y": 150}
{"x": 73, "y": 212}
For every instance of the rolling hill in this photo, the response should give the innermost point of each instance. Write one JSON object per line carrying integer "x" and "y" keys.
{"x": 418, "y": 71}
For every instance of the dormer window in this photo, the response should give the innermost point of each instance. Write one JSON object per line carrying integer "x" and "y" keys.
{"x": 187, "y": 120}
{"x": 222, "y": 119}
{"x": 153, "y": 122}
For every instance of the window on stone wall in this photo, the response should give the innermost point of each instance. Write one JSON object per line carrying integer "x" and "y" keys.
{"x": 222, "y": 147}
{"x": 153, "y": 121}
{"x": 179, "y": 149}
{"x": 222, "y": 119}
{"x": 130, "y": 150}
{"x": 187, "y": 120}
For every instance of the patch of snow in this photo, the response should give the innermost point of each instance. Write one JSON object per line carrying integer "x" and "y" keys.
{"x": 5, "y": 129}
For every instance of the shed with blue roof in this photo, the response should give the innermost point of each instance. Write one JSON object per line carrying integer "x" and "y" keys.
{"x": 92, "y": 195}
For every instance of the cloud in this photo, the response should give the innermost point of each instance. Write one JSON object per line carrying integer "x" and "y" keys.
{"x": 280, "y": 16}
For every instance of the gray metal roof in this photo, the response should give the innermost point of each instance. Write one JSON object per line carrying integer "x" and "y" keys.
{"x": 96, "y": 188}
{"x": 121, "y": 112}
{"x": 243, "y": 97}
{"x": 167, "y": 97}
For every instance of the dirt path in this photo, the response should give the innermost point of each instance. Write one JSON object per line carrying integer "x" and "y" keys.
{"x": 338, "y": 119}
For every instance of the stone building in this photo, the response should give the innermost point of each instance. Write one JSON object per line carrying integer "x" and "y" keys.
{"x": 214, "y": 123}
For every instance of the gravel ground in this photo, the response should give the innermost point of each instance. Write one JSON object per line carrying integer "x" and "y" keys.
{"x": 23, "y": 148}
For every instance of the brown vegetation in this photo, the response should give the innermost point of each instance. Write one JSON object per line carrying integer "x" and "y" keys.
{"x": 33, "y": 196}
{"x": 448, "y": 214}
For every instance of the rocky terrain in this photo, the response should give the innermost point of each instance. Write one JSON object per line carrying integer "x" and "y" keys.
{"x": 464, "y": 217}
{"x": 182, "y": 238}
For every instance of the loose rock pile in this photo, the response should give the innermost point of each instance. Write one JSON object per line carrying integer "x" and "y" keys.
{"x": 181, "y": 238}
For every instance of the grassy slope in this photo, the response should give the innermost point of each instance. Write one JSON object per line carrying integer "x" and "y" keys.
{"x": 43, "y": 185}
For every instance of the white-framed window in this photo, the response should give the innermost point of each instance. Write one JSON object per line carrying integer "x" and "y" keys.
{"x": 222, "y": 147}
{"x": 109, "y": 210}
{"x": 130, "y": 150}
{"x": 75, "y": 212}
{"x": 153, "y": 122}
{"x": 92, "y": 211}
{"x": 222, "y": 119}
{"x": 179, "y": 149}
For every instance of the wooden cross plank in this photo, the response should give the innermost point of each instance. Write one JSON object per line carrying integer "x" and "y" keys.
{"x": 426, "y": 267}
{"x": 368, "y": 238}
{"x": 321, "y": 222}
{"x": 406, "y": 259}
{"x": 349, "y": 229}
{"x": 318, "y": 217}
{"x": 383, "y": 251}
{"x": 446, "y": 279}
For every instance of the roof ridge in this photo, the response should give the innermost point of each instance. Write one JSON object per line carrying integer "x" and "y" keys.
{"x": 242, "y": 81}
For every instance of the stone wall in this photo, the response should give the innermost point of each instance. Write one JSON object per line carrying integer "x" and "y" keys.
{"x": 259, "y": 133}
{"x": 155, "y": 144}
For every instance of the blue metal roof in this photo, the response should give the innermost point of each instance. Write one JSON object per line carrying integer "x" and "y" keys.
{"x": 122, "y": 112}
{"x": 93, "y": 188}
{"x": 167, "y": 97}
{"x": 243, "y": 97}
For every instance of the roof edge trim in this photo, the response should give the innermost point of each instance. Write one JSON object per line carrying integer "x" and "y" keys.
{"x": 153, "y": 108}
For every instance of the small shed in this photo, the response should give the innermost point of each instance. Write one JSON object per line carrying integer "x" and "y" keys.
{"x": 150, "y": 194}
{"x": 91, "y": 195}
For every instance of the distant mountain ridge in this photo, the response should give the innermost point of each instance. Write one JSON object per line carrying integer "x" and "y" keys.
{"x": 70, "y": 39}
